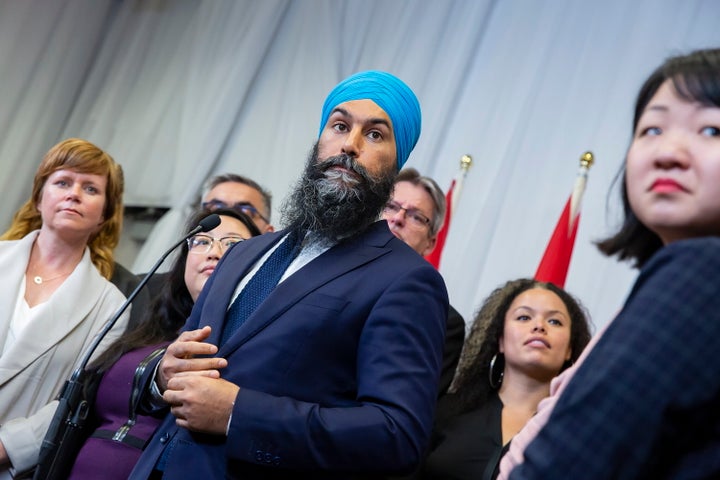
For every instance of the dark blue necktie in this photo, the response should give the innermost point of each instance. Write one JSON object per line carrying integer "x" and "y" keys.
{"x": 260, "y": 285}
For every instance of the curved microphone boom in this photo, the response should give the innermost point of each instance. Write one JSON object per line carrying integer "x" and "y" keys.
{"x": 73, "y": 409}
{"x": 205, "y": 225}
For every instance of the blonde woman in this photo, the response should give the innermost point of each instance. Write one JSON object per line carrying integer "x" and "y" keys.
{"x": 56, "y": 260}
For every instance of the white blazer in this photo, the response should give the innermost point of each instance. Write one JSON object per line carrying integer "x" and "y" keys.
{"x": 34, "y": 368}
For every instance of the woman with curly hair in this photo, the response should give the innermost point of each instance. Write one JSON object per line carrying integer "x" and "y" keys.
{"x": 525, "y": 334}
{"x": 56, "y": 259}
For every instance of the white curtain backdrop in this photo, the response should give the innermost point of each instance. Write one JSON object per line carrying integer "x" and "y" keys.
{"x": 177, "y": 90}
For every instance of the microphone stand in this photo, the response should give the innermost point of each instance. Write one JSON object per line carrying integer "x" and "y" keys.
{"x": 73, "y": 409}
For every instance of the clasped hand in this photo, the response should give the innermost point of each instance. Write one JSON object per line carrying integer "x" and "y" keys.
{"x": 198, "y": 397}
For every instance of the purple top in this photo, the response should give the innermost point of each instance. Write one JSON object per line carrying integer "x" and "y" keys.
{"x": 105, "y": 457}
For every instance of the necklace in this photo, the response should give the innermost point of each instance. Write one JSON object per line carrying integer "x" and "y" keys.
{"x": 39, "y": 280}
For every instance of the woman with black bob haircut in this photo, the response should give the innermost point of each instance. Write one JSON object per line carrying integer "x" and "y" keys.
{"x": 695, "y": 79}
{"x": 643, "y": 402}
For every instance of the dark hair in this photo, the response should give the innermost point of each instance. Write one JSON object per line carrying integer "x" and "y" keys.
{"x": 696, "y": 78}
{"x": 213, "y": 182}
{"x": 471, "y": 387}
{"x": 170, "y": 309}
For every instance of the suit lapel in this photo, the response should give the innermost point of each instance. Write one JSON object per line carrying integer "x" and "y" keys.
{"x": 234, "y": 266}
{"x": 333, "y": 263}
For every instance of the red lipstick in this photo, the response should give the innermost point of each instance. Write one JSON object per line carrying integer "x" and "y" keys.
{"x": 666, "y": 185}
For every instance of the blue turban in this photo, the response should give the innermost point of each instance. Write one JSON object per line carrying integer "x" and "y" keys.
{"x": 389, "y": 93}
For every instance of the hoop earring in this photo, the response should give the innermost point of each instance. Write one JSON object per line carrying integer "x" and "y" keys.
{"x": 491, "y": 372}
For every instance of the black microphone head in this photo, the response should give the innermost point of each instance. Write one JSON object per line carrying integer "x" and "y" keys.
{"x": 209, "y": 223}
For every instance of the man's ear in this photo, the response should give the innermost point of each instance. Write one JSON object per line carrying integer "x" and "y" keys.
{"x": 431, "y": 245}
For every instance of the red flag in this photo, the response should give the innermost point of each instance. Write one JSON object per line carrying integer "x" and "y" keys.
{"x": 556, "y": 259}
{"x": 451, "y": 201}
{"x": 434, "y": 256}
{"x": 555, "y": 263}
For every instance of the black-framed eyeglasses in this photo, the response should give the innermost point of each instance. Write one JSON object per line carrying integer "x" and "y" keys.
{"x": 416, "y": 217}
{"x": 243, "y": 207}
{"x": 202, "y": 243}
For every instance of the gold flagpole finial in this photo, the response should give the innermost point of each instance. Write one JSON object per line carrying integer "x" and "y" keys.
{"x": 466, "y": 162}
{"x": 587, "y": 159}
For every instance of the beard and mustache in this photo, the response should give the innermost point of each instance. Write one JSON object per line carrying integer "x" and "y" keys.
{"x": 336, "y": 203}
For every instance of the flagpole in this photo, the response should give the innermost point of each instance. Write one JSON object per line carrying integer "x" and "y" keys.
{"x": 466, "y": 162}
{"x": 555, "y": 261}
{"x": 451, "y": 201}
{"x": 587, "y": 160}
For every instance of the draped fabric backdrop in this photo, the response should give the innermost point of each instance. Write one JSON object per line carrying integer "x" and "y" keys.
{"x": 177, "y": 90}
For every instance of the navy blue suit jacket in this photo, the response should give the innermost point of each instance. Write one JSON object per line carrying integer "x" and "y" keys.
{"x": 338, "y": 368}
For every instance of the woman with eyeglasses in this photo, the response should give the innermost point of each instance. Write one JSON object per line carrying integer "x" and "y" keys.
{"x": 120, "y": 434}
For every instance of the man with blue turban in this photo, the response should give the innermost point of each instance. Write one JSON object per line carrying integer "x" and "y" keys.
{"x": 390, "y": 94}
{"x": 315, "y": 351}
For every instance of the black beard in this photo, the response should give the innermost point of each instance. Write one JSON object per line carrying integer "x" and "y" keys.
{"x": 335, "y": 204}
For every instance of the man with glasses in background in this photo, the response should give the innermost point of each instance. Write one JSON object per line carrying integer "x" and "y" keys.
{"x": 228, "y": 190}
{"x": 415, "y": 213}
{"x": 234, "y": 191}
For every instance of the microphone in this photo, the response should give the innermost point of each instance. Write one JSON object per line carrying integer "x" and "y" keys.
{"x": 205, "y": 225}
{"x": 73, "y": 409}
{"x": 208, "y": 223}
